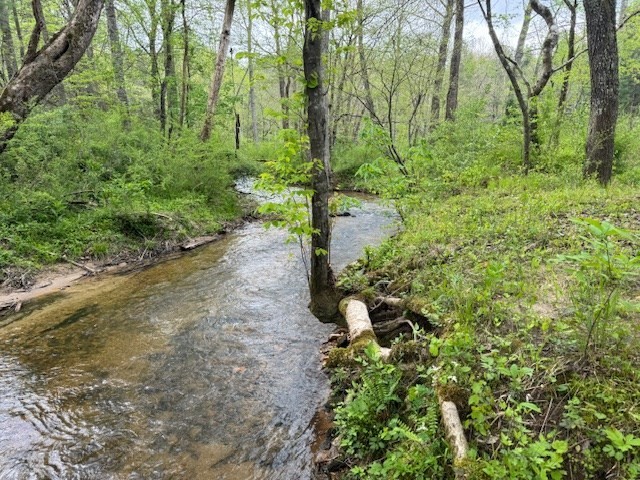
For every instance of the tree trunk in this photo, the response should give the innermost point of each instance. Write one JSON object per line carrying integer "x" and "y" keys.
{"x": 571, "y": 52}
{"x": 603, "y": 60}
{"x": 169, "y": 86}
{"x": 8, "y": 52}
{"x": 522, "y": 37}
{"x": 153, "y": 53}
{"x": 324, "y": 298}
{"x": 252, "y": 90}
{"x": 117, "y": 60}
{"x": 237, "y": 131}
{"x": 16, "y": 23}
{"x": 218, "y": 74}
{"x": 45, "y": 68}
{"x": 368, "y": 97}
{"x": 548, "y": 47}
{"x": 522, "y": 101}
{"x": 282, "y": 81}
{"x": 564, "y": 89}
{"x": 442, "y": 63}
{"x": 519, "y": 54}
{"x": 186, "y": 75}
{"x": 454, "y": 69}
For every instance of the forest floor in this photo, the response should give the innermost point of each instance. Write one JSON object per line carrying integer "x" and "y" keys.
{"x": 521, "y": 302}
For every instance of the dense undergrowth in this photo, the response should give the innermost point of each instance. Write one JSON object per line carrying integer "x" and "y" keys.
{"x": 77, "y": 185}
{"x": 529, "y": 290}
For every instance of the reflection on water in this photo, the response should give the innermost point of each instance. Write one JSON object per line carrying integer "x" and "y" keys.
{"x": 204, "y": 367}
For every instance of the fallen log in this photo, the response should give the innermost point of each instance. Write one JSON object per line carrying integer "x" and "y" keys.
{"x": 79, "y": 265}
{"x": 361, "y": 333}
{"x": 197, "y": 242}
{"x": 454, "y": 434}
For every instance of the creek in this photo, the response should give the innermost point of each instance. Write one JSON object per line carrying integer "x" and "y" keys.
{"x": 202, "y": 367}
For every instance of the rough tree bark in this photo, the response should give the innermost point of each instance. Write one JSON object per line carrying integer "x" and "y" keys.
{"x": 117, "y": 59}
{"x": 442, "y": 62}
{"x": 45, "y": 68}
{"x": 324, "y": 297}
{"x": 8, "y": 51}
{"x": 603, "y": 60}
{"x": 218, "y": 74}
{"x": 454, "y": 69}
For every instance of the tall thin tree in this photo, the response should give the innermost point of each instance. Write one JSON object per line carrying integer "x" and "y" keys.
{"x": 117, "y": 57}
{"x": 443, "y": 50}
{"x": 169, "y": 85}
{"x": 186, "y": 64}
{"x": 8, "y": 51}
{"x": 218, "y": 72}
{"x": 454, "y": 68}
{"x": 324, "y": 298}
{"x": 250, "y": 67}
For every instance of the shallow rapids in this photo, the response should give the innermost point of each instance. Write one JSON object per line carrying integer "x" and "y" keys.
{"x": 201, "y": 367}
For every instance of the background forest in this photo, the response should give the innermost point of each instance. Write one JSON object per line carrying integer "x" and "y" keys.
{"x": 111, "y": 158}
{"x": 518, "y": 267}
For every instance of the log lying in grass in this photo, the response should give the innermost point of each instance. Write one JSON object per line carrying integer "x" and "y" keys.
{"x": 454, "y": 434}
{"x": 361, "y": 333}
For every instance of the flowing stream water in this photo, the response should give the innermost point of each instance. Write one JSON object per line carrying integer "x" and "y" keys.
{"x": 202, "y": 367}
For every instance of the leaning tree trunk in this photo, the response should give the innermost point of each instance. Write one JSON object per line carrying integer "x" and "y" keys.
{"x": 324, "y": 298}
{"x": 45, "y": 68}
{"x": 8, "y": 51}
{"x": 442, "y": 63}
{"x": 454, "y": 69}
{"x": 603, "y": 60}
{"x": 218, "y": 74}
